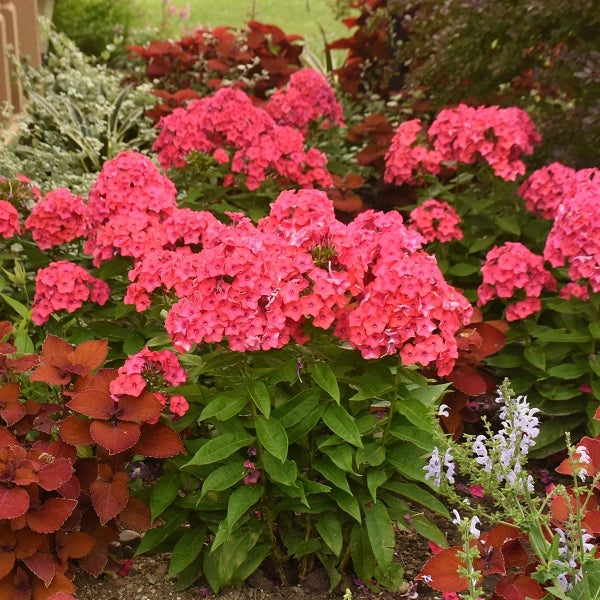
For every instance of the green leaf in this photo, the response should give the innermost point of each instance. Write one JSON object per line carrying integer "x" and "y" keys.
{"x": 595, "y": 364}
{"x": 375, "y": 479}
{"x": 164, "y": 492}
{"x": 188, "y": 576}
{"x": 240, "y": 501}
{"x": 408, "y": 460}
{"x": 260, "y": 396}
{"x": 509, "y": 224}
{"x": 416, "y": 412}
{"x": 255, "y": 558}
{"x": 373, "y": 454}
{"x": 561, "y": 335}
{"x": 272, "y": 436}
{"x": 594, "y": 328}
{"x": 568, "y": 371}
{"x": 332, "y": 473}
{"x": 303, "y": 547}
{"x": 17, "y": 306}
{"x": 153, "y": 537}
{"x": 347, "y": 503}
{"x": 428, "y": 530}
{"x": 427, "y": 394}
{"x": 342, "y": 423}
{"x": 362, "y": 555}
{"x": 463, "y": 269}
{"x": 554, "y": 429}
{"x": 133, "y": 343}
{"x": 285, "y": 473}
{"x": 413, "y": 434}
{"x": 325, "y": 378}
{"x": 224, "y": 406}
{"x": 330, "y": 529}
{"x": 187, "y": 549}
{"x": 219, "y": 448}
{"x": 341, "y": 455}
{"x": 306, "y": 424}
{"x": 589, "y": 587}
{"x": 223, "y": 477}
{"x": 535, "y": 355}
{"x": 381, "y": 532}
{"x": 295, "y": 409}
{"x": 417, "y": 494}
{"x": 329, "y": 564}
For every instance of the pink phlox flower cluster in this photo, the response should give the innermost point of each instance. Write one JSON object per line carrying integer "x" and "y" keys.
{"x": 575, "y": 236}
{"x": 409, "y": 155}
{"x": 127, "y": 206}
{"x": 9, "y": 220}
{"x": 229, "y": 125}
{"x": 307, "y": 97}
{"x": 57, "y": 218}
{"x": 63, "y": 285}
{"x": 512, "y": 267}
{"x": 546, "y": 188}
{"x": 436, "y": 220}
{"x": 499, "y": 135}
{"x": 574, "y": 290}
{"x": 152, "y": 370}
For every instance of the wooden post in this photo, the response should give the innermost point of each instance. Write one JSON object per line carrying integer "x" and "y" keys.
{"x": 28, "y": 30}
{"x": 5, "y": 95}
{"x": 9, "y": 12}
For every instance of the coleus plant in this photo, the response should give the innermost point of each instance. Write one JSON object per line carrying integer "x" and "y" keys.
{"x": 64, "y": 456}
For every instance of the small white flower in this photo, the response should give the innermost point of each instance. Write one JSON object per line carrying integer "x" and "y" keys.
{"x": 473, "y": 528}
{"x": 456, "y": 519}
{"x": 584, "y": 457}
{"x": 582, "y": 474}
{"x": 443, "y": 410}
{"x": 449, "y": 464}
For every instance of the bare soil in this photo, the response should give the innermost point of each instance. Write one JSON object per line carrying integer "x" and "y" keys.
{"x": 147, "y": 580}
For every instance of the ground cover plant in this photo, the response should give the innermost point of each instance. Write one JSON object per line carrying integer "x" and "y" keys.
{"x": 301, "y": 301}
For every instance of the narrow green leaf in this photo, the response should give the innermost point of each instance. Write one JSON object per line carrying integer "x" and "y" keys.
{"x": 219, "y": 448}
{"x": 428, "y": 530}
{"x": 341, "y": 455}
{"x": 374, "y": 480}
{"x": 272, "y": 436}
{"x": 224, "y": 406}
{"x": 240, "y": 501}
{"x": 372, "y": 454}
{"x": 306, "y": 424}
{"x": 568, "y": 371}
{"x": 535, "y": 355}
{"x": 342, "y": 423}
{"x": 285, "y": 473}
{"x": 255, "y": 558}
{"x": 223, "y": 477}
{"x": 408, "y": 460}
{"x": 381, "y": 532}
{"x": 418, "y": 494}
{"x": 325, "y": 378}
{"x": 347, "y": 503}
{"x": 17, "y": 306}
{"x": 260, "y": 396}
{"x": 174, "y": 518}
{"x": 187, "y": 549}
{"x": 188, "y": 576}
{"x": 295, "y": 409}
{"x": 332, "y": 473}
{"x": 164, "y": 492}
{"x": 416, "y": 412}
{"x": 330, "y": 529}
{"x": 363, "y": 558}
{"x": 413, "y": 434}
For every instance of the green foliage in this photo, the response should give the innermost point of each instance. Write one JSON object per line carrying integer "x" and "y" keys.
{"x": 78, "y": 115}
{"x": 94, "y": 24}
{"x": 301, "y": 469}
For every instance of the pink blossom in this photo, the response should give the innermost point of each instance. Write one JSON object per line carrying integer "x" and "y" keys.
{"x": 9, "y": 220}
{"x": 436, "y": 220}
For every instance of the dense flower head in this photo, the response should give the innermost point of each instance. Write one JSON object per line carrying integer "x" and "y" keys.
{"x": 499, "y": 135}
{"x": 575, "y": 236}
{"x": 128, "y": 205}
{"x": 547, "y": 187}
{"x": 63, "y": 285}
{"x": 574, "y": 290}
{"x": 513, "y": 267}
{"x": 152, "y": 370}
{"x": 406, "y": 158}
{"x": 436, "y": 220}
{"x": 307, "y": 97}
{"x": 9, "y": 220}
{"x": 259, "y": 287}
{"x": 57, "y": 218}
{"x": 229, "y": 125}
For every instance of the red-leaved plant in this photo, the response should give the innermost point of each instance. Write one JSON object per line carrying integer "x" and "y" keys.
{"x": 58, "y": 504}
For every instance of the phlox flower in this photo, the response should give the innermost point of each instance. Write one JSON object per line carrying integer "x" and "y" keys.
{"x": 436, "y": 220}
{"x": 575, "y": 236}
{"x": 307, "y": 97}
{"x": 57, "y": 218}
{"x": 498, "y": 135}
{"x": 406, "y": 158}
{"x": 510, "y": 268}
{"x": 229, "y": 123}
{"x": 63, "y": 285}
{"x": 9, "y": 220}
